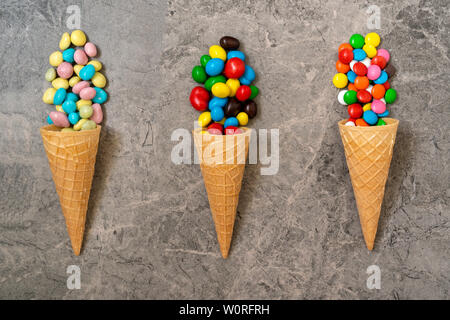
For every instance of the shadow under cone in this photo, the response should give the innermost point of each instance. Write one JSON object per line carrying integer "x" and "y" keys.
{"x": 71, "y": 156}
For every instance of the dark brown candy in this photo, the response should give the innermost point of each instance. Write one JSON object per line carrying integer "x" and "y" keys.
{"x": 232, "y": 108}
{"x": 390, "y": 70}
{"x": 250, "y": 108}
{"x": 229, "y": 43}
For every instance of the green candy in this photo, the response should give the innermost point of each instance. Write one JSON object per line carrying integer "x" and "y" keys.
{"x": 213, "y": 80}
{"x": 357, "y": 41}
{"x": 255, "y": 92}
{"x": 50, "y": 75}
{"x": 67, "y": 130}
{"x": 350, "y": 97}
{"x": 86, "y": 112}
{"x": 381, "y": 122}
{"x": 199, "y": 74}
{"x": 204, "y": 60}
{"x": 390, "y": 96}
{"x": 88, "y": 125}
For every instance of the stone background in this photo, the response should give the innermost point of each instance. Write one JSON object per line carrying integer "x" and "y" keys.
{"x": 149, "y": 233}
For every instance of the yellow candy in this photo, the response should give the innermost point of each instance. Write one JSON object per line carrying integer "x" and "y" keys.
{"x": 222, "y": 122}
{"x": 204, "y": 132}
{"x": 370, "y": 50}
{"x": 221, "y": 90}
{"x": 340, "y": 80}
{"x": 60, "y": 83}
{"x": 82, "y": 103}
{"x": 242, "y": 118}
{"x": 97, "y": 65}
{"x": 77, "y": 68}
{"x": 99, "y": 80}
{"x": 233, "y": 84}
{"x": 217, "y": 52}
{"x": 67, "y": 130}
{"x": 59, "y": 108}
{"x": 64, "y": 43}
{"x": 366, "y": 107}
{"x": 78, "y": 38}
{"x": 48, "y": 95}
{"x": 79, "y": 124}
{"x": 373, "y": 39}
{"x": 74, "y": 80}
{"x": 204, "y": 119}
{"x": 55, "y": 58}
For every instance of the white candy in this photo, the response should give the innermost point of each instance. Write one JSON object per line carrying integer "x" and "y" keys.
{"x": 350, "y": 124}
{"x": 369, "y": 89}
{"x": 366, "y": 62}
{"x": 384, "y": 101}
{"x": 352, "y": 64}
{"x": 341, "y": 97}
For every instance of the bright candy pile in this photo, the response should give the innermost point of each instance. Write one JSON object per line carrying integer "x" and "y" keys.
{"x": 77, "y": 97}
{"x": 366, "y": 71}
{"x": 225, "y": 75}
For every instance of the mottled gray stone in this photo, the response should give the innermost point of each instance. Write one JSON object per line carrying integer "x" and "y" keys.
{"x": 149, "y": 232}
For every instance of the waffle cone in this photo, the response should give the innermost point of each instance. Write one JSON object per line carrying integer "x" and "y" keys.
{"x": 368, "y": 151}
{"x": 71, "y": 156}
{"x": 222, "y": 162}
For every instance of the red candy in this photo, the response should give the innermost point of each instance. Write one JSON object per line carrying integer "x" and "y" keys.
{"x": 352, "y": 120}
{"x": 355, "y": 111}
{"x": 199, "y": 98}
{"x": 234, "y": 68}
{"x": 346, "y": 55}
{"x": 364, "y": 96}
{"x": 379, "y": 61}
{"x": 215, "y": 128}
{"x": 386, "y": 85}
{"x": 232, "y": 130}
{"x": 360, "y": 69}
{"x": 243, "y": 93}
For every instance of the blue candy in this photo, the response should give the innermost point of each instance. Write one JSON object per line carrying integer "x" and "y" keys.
{"x": 101, "y": 96}
{"x": 68, "y": 55}
{"x": 359, "y": 54}
{"x": 59, "y": 97}
{"x": 69, "y": 106}
{"x": 248, "y": 76}
{"x": 49, "y": 120}
{"x": 382, "y": 78}
{"x": 351, "y": 76}
{"x": 214, "y": 67}
{"x": 217, "y": 102}
{"x": 74, "y": 117}
{"x": 384, "y": 114}
{"x": 72, "y": 97}
{"x": 370, "y": 117}
{"x": 236, "y": 54}
{"x": 87, "y": 72}
{"x": 232, "y": 121}
{"x": 217, "y": 114}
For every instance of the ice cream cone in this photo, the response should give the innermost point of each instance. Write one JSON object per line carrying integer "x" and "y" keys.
{"x": 368, "y": 151}
{"x": 222, "y": 162}
{"x": 71, "y": 156}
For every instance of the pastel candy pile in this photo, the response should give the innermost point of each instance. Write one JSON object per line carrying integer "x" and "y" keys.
{"x": 226, "y": 97}
{"x": 77, "y": 84}
{"x": 363, "y": 74}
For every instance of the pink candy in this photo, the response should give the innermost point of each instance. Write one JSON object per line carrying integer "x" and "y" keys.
{"x": 373, "y": 72}
{"x": 87, "y": 93}
{"x": 384, "y": 53}
{"x": 59, "y": 119}
{"x": 90, "y": 49}
{"x": 80, "y": 86}
{"x": 65, "y": 70}
{"x": 80, "y": 57}
{"x": 378, "y": 106}
{"x": 97, "y": 115}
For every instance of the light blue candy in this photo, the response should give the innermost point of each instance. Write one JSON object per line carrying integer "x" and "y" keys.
{"x": 217, "y": 114}
{"x": 382, "y": 78}
{"x": 217, "y": 102}
{"x": 359, "y": 54}
{"x": 59, "y": 97}
{"x": 101, "y": 96}
{"x": 49, "y": 120}
{"x": 68, "y": 55}
{"x": 370, "y": 117}
{"x": 384, "y": 114}
{"x": 69, "y": 106}
{"x": 236, "y": 54}
{"x": 232, "y": 121}
{"x": 74, "y": 117}
{"x": 214, "y": 67}
{"x": 87, "y": 72}
{"x": 351, "y": 76}
{"x": 248, "y": 76}
{"x": 72, "y": 97}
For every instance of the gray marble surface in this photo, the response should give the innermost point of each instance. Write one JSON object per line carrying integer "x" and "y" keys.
{"x": 149, "y": 233}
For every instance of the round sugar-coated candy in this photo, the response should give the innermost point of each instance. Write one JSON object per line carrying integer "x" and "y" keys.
{"x": 80, "y": 86}
{"x": 248, "y": 76}
{"x": 82, "y": 103}
{"x": 384, "y": 114}
{"x": 236, "y": 54}
{"x": 87, "y": 72}
{"x": 69, "y": 106}
{"x": 68, "y": 129}
{"x": 101, "y": 96}
{"x": 229, "y": 43}
{"x": 48, "y": 95}
{"x": 59, "y": 96}
{"x": 65, "y": 70}
{"x": 88, "y": 93}
{"x": 221, "y": 90}
{"x": 352, "y": 64}
{"x": 233, "y": 84}
{"x": 378, "y": 106}
{"x": 49, "y": 120}
{"x": 60, "y": 83}
{"x": 341, "y": 95}
{"x": 243, "y": 93}
{"x": 373, "y": 39}
{"x": 370, "y": 50}
{"x": 68, "y": 55}
{"x": 359, "y": 54}
{"x": 381, "y": 122}
{"x": 360, "y": 69}
{"x": 373, "y": 72}
{"x": 370, "y": 117}
{"x": 217, "y": 52}
{"x": 90, "y": 49}
{"x": 364, "y": 96}
{"x": 59, "y": 108}
{"x": 378, "y": 91}
{"x": 73, "y": 117}
{"x": 97, "y": 113}
{"x": 214, "y": 67}
{"x": 86, "y": 112}
{"x": 215, "y": 128}
{"x": 361, "y": 83}
{"x": 217, "y": 114}
{"x": 255, "y": 92}
{"x": 77, "y": 68}
{"x": 351, "y": 76}
{"x": 355, "y": 110}
{"x": 390, "y": 70}
{"x": 99, "y": 80}
{"x": 367, "y": 106}
{"x": 385, "y": 54}
{"x": 234, "y": 68}
{"x": 70, "y": 96}
{"x": 369, "y": 89}
{"x": 343, "y": 46}
{"x": 340, "y": 80}
{"x": 55, "y": 59}
{"x": 390, "y": 96}
{"x": 230, "y": 130}
{"x": 199, "y": 98}
{"x": 204, "y": 119}
{"x": 345, "y": 56}
{"x": 342, "y": 67}
{"x": 199, "y": 74}
{"x": 366, "y": 62}
{"x": 386, "y": 85}
{"x": 232, "y": 108}
{"x": 232, "y": 121}
{"x": 242, "y": 118}
{"x": 382, "y": 79}
{"x": 59, "y": 119}
{"x": 350, "y": 97}
{"x": 77, "y": 126}
{"x": 350, "y": 123}
{"x": 88, "y": 125}
{"x": 213, "y": 80}
{"x": 216, "y": 102}
{"x": 250, "y": 108}
{"x": 80, "y": 57}
{"x": 361, "y": 123}
{"x": 379, "y": 61}
{"x": 50, "y": 75}
{"x": 204, "y": 60}
{"x": 357, "y": 41}
{"x": 351, "y": 86}
{"x": 78, "y": 38}
{"x": 64, "y": 43}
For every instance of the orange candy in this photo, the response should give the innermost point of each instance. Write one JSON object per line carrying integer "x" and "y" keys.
{"x": 361, "y": 123}
{"x": 378, "y": 91}
{"x": 361, "y": 83}
{"x": 351, "y": 86}
{"x": 342, "y": 67}
{"x": 345, "y": 46}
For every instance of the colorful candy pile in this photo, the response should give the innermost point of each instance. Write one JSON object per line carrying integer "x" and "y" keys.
{"x": 77, "y": 97}
{"x": 224, "y": 74}
{"x": 366, "y": 71}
